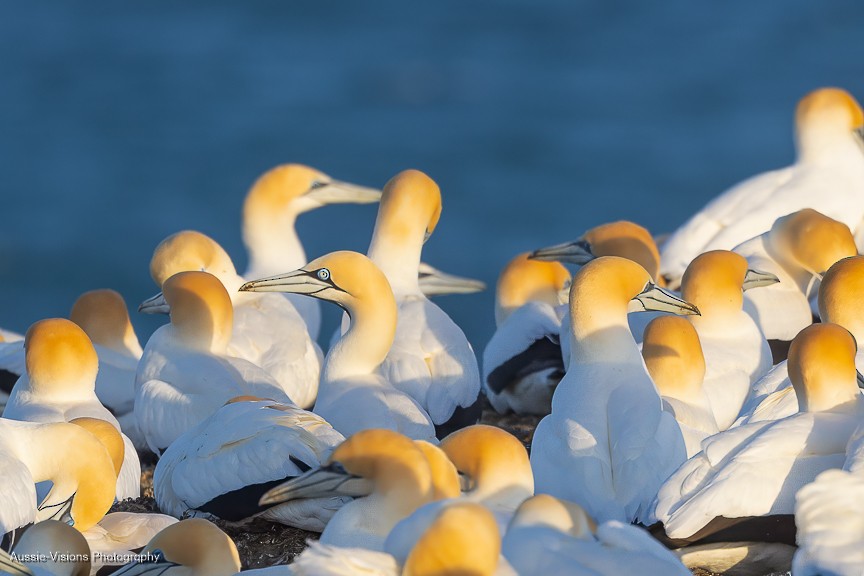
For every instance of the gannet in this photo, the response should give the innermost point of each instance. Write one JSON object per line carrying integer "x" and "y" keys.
{"x": 431, "y": 360}
{"x": 673, "y": 357}
{"x": 742, "y": 485}
{"x": 193, "y": 547}
{"x": 522, "y": 363}
{"x": 60, "y": 385}
{"x": 272, "y": 206}
{"x": 77, "y": 464}
{"x": 736, "y": 353}
{"x": 401, "y": 481}
{"x": 353, "y": 394}
{"x": 186, "y": 373}
{"x": 103, "y": 316}
{"x": 798, "y": 249}
{"x": 226, "y": 463}
{"x": 608, "y": 444}
{"x": 552, "y": 536}
{"x": 268, "y": 331}
{"x": 494, "y": 471}
{"x": 623, "y": 238}
{"x": 495, "y": 467}
{"x": 117, "y": 533}
{"x": 49, "y": 548}
{"x": 459, "y": 539}
{"x": 828, "y": 176}
{"x": 773, "y": 396}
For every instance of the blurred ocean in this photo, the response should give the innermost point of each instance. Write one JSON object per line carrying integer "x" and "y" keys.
{"x": 122, "y": 122}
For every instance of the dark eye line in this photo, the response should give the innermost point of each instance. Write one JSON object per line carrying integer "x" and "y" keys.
{"x": 317, "y": 184}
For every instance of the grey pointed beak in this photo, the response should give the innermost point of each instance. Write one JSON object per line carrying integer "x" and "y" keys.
{"x": 336, "y": 192}
{"x": 576, "y": 252}
{"x": 331, "y": 480}
{"x": 756, "y": 279}
{"x": 296, "y": 282}
{"x": 426, "y": 236}
{"x": 155, "y": 305}
{"x": 655, "y": 298}
{"x": 433, "y": 282}
{"x": 860, "y": 378}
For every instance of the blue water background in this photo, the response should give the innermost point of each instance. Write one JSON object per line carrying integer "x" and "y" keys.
{"x": 123, "y": 122}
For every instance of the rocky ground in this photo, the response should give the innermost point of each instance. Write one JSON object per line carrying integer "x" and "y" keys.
{"x": 264, "y": 544}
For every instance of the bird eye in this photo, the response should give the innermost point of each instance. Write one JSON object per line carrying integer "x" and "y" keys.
{"x": 324, "y": 274}
{"x": 317, "y": 184}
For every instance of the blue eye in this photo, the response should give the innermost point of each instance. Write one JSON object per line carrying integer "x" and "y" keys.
{"x": 324, "y": 274}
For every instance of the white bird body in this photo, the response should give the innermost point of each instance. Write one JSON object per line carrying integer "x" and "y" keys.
{"x": 830, "y": 525}
{"x": 179, "y": 387}
{"x": 552, "y": 536}
{"x": 522, "y": 363}
{"x": 828, "y": 176}
{"x": 267, "y": 329}
{"x": 63, "y": 394}
{"x": 185, "y": 373}
{"x": 537, "y": 325}
{"x": 430, "y": 359}
{"x": 755, "y": 470}
{"x": 735, "y": 351}
{"x": 243, "y": 444}
{"x": 18, "y": 498}
{"x": 607, "y": 444}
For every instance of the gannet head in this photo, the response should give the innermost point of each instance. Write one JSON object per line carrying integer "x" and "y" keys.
{"x": 824, "y": 117}
{"x": 715, "y": 282}
{"x": 411, "y": 201}
{"x": 822, "y": 367}
{"x": 60, "y": 357}
{"x": 445, "y": 477}
{"x": 525, "y": 279}
{"x": 194, "y": 544}
{"x": 346, "y": 278}
{"x": 295, "y": 188}
{"x": 108, "y": 435}
{"x": 200, "y": 309}
{"x": 382, "y": 461}
{"x": 463, "y": 539}
{"x": 190, "y": 250}
{"x": 673, "y": 356}
{"x": 494, "y": 462}
{"x": 103, "y": 315}
{"x": 811, "y": 240}
{"x": 605, "y": 289}
{"x": 54, "y": 539}
{"x": 563, "y": 515}
{"x": 840, "y": 300}
{"x": 623, "y": 238}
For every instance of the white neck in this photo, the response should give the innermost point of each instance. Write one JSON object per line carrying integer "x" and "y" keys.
{"x": 827, "y": 147}
{"x": 602, "y": 337}
{"x": 272, "y": 243}
{"x": 364, "y": 346}
{"x": 399, "y": 260}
